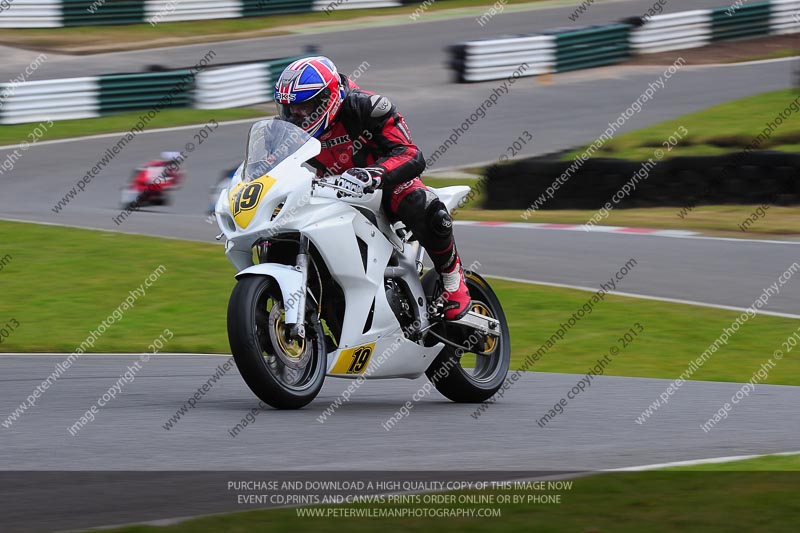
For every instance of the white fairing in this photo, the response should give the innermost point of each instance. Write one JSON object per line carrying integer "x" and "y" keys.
{"x": 129, "y": 196}
{"x": 451, "y": 196}
{"x": 333, "y": 225}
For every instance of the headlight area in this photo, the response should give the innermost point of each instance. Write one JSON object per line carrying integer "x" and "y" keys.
{"x": 226, "y": 221}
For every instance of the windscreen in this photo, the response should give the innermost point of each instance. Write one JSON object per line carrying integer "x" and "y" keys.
{"x": 271, "y": 141}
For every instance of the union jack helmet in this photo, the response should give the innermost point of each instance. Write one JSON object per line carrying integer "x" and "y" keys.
{"x": 309, "y": 94}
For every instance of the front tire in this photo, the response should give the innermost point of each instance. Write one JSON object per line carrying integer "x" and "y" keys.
{"x": 282, "y": 372}
{"x": 449, "y": 373}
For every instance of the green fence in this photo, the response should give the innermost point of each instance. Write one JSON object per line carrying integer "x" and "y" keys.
{"x": 131, "y": 92}
{"x": 747, "y": 21}
{"x": 76, "y": 12}
{"x": 592, "y": 47}
{"x": 256, "y": 8}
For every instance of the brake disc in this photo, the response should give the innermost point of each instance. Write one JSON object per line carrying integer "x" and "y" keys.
{"x": 294, "y": 353}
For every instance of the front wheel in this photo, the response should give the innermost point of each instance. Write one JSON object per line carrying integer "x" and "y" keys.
{"x": 472, "y": 377}
{"x": 284, "y": 372}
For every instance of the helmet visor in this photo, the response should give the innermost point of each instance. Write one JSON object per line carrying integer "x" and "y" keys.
{"x": 307, "y": 113}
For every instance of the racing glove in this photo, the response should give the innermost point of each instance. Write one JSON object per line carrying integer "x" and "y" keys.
{"x": 361, "y": 180}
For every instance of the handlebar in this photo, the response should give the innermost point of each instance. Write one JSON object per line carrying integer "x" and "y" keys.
{"x": 323, "y": 182}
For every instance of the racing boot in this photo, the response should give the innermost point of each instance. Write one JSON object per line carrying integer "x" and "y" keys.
{"x": 456, "y": 295}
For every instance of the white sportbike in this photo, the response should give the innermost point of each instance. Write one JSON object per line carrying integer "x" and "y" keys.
{"x": 327, "y": 285}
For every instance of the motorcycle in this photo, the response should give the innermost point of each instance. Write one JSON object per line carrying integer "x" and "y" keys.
{"x": 328, "y": 286}
{"x": 151, "y": 184}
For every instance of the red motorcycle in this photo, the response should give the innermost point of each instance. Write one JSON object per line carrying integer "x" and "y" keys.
{"x": 153, "y": 182}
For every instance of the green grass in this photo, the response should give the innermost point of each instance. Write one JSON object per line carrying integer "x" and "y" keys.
{"x": 62, "y": 282}
{"x": 719, "y": 129}
{"x": 708, "y": 499}
{"x": 123, "y": 122}
{"x": 674, "y": 334}
{"x": 138, "y": 36}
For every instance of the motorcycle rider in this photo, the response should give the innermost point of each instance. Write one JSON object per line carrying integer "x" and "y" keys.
{"x": 367, "y": 142}
{"x": 171, "y": 162}
{"x": 160, "y": 175}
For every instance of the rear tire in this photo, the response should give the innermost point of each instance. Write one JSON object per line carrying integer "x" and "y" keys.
{"x": 464, "y": 385}
{"x": 283, "y": 373}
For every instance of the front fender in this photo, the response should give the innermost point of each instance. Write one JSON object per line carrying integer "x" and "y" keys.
{"x": 289, "y": 280}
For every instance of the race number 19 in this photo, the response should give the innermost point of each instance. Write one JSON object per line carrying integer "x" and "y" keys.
{"x": 248, "y": 198}
{"x": 360, "y": 360}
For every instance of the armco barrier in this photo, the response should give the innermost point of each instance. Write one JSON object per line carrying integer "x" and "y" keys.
{"x": 156, "y": 11}
{"x": 499, "y": 58}
{"x": 333, "y": 5}
{"x": 749, "y": 20}
{"x": 259, "y": 8}
{"x": 76, "y": 12}
{"x": 592, "y": 47}
{"x": 128, "y": 92}
{"x": 58, "y": 13}
{"x": 676, "y": 31}
{"x": 785, "y": 16}
{"x": 238, "y": 85}
{"x": 211, "y": 88}
{"x": 742, "y": 177}
{"x": 579, "y": 48}
{"x": 233, "y": 86}
{"x": 32, "y": 14}
{"x": 50, "y": 100}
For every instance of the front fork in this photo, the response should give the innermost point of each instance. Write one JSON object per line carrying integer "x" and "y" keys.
{"x": 301, "y": 265}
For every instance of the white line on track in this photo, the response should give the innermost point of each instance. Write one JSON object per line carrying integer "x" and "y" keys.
{"x": 91, "y": 228}
{"x": 506, "y": 278}
{"x": 119, "y": 133}
{"x": 645, "y": 296}
{"x": 674, "y": 234}
{"x": 694, "y": 462}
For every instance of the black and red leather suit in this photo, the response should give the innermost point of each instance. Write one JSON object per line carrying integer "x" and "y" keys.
{"x": 369, "y": 133}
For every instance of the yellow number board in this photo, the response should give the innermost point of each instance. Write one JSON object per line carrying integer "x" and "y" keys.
{"x": 245, "y": 197}
{"x": 353, "y": 360}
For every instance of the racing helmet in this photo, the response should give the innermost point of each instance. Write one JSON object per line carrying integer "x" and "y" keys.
{"x": 309, "y": 94}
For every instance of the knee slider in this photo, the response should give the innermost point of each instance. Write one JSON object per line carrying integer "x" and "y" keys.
{"x": 439, "y": 220}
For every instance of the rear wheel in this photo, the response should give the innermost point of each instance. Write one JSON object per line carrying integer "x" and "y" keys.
{"x": 476, "y": 374}
{"x": 284, "y": 372}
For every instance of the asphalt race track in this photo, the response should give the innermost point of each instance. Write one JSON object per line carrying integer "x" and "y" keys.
{"x": 598, "y": 426}
{"x": 46, "y": 172}
{"x": 567, "y": 113}
{"x": 128, "y": 434}
{"x": 598, "y": 430}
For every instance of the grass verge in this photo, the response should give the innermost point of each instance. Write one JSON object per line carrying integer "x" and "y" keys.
{"x": 60, "y": 283}
{"x": 708, "y": 499}
{"x": 727, "y": 127}
{"x": 123, "y": 122}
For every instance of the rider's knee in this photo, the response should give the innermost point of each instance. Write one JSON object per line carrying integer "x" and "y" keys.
{"x": 439, "y": 220}
{"x": 411, "y": 209}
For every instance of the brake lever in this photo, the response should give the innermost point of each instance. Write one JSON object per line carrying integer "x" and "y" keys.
{"x": 326, "y": 183}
